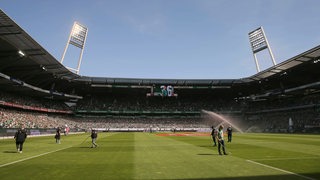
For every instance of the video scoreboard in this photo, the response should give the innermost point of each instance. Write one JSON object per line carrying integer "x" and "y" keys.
{"x": 163, "y": 91}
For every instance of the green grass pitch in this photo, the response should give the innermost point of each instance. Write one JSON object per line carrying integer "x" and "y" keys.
{"x": 150, "y": 156}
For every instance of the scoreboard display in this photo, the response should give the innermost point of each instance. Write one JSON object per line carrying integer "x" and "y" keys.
{"x": 163, "y": 91}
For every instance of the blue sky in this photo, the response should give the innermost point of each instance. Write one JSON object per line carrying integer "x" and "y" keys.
{"x": 170, "y": 39}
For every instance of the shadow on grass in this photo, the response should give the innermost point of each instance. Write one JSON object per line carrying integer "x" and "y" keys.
{"x": 9, "y": 151}
{"x": 312, "y": 176}
{"x": 207, "y": 154}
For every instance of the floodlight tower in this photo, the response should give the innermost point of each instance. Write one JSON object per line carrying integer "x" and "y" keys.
{"x": 259, "y": 42}
{"x": 77, "y": 37}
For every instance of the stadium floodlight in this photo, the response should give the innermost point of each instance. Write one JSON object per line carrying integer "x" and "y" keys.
{"x": 77, "y": 38}
{"x": 259, "y": 42}
{"x": 21, "y": 53}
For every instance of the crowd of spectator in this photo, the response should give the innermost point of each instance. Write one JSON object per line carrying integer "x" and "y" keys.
{"x": 281, "y": 103}
{"x": 17, "y": 118}
{"x": 139, "y": 122}
{"x": 143, "y": 103}
{"x": 33, "y": 101}
{"x": 303, "y": 120}
{"x": 273, "y": 116}
{"x": 264, "y": 116}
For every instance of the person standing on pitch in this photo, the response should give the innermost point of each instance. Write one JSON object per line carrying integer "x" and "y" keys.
{"x": 214, "y": 133}
{"x": 221, "y": 141}
{"x": 20, "y": 137}
{"x": 58, "y": 135}
{"x": 229, "y": 130}
{"x": 94, "y": 136}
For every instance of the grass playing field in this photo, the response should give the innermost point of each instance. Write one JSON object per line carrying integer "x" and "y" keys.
{"x": 154, "y": 156}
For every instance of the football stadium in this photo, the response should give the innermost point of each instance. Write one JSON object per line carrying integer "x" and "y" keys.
{"x": 154, "y": 128}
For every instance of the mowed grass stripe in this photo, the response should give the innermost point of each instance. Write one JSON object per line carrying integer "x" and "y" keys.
{"x": 34, "y": 146}
{"x": 148, "y": 156}
{"x": 294, "y": 153}
{"x": 300, "y": 139}
{"x": 274, "y": 147}
{"x": 111, "y": 160}
{"x": 7, "y": 164}
{"x": 288, "y": 172}
{"x": 185, "y": 158}
{"x": 252, "y": 149}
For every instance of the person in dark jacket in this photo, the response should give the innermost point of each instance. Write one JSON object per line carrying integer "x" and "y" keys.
{"x": 214, "y": 134}
{"x": 94, "y": 136}
{"x": 20, "y": 137}
{"x": 58, "y": 135}
{"x": 229, "y": 130}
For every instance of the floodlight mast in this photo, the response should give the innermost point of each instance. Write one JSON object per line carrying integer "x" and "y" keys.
{"x": 77, "y": 37}
{"x": 67, "y": 45}
{"x": 269, "y": 48}
{"x": 257, "y": 62}
{"x": 259, "y": 42}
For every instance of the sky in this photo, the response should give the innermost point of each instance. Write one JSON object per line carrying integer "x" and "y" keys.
{"x": 170, "y": 39}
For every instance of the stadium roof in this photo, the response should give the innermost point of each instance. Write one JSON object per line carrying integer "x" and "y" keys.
{"x": 24, "y": 64}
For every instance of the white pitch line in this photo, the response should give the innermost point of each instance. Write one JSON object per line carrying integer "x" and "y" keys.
{"x": 7, "y": 164}
{"x": 277, "y": 159}
{"x": 282, "y": 170}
